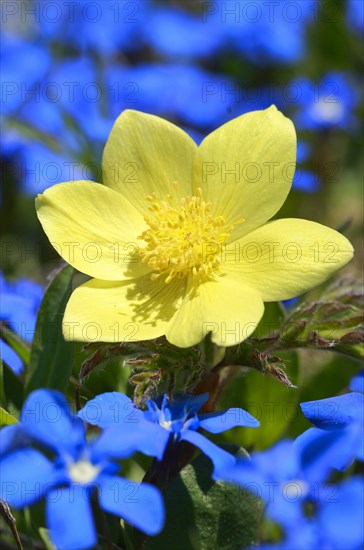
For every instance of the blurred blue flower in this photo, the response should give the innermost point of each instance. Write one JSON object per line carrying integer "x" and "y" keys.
{"x": 281, "y": 478}
{"x": 70, "y": 111}
{"x": 355, "y": 14}
{"x": 42, "y": 167}
{"x": 174, "y": 32}
{"x": 288, "y": 304}
{"x": 287, "y": 475}
{"x": 106, "y": 27}
{"x": 78, "y": 472}
{"x": 24, "y": 63}
{"x": 264, "y": 32}
{"x": 72, "y": 89}
{"x": 183, "y": 93}
{"x": 337, "y": 525}
{"x": 329, "y": 103}
{"x": 275, "y": 476}
{"x": 305, "y": 180}
{"x": 357, "y": 382}
{"x": 20, "y": 301}
{"x": 341, "y": 419}
{"x": 303, "y": 151}
{"x": 165, "y": 421}
{"x": 340, "y": 517}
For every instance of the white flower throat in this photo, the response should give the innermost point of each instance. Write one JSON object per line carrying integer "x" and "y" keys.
{"x": 83, "y": 471}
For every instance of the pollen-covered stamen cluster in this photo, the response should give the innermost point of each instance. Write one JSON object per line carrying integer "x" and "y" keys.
{"x": 183, "y": 237}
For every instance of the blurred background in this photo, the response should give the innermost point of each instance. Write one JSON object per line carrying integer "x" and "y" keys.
{"x": 70, "y": 68}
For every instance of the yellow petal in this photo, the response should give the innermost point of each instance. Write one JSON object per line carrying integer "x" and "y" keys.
{"x": 285, "y": 258}
{"x": 245, "y": 168}
{"x": 227, "y": 308}
{"x": 93, "y": 228}
{"x": 146, "y": 154}
{"x": 129, "y": 311}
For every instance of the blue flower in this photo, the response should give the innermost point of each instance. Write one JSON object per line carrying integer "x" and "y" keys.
{"x": 79, "y": 471}
{"x": 185, "y": 93}
{"x": 23, "y": 64}
{"x": 165, "y": 421}
{"x": 357, "y": 382}
{"x": 355, "y": 15}
{"x": 105, "y": 27}
{"x": 340, "y": 420}
{"x": 305, "y": 180}
{"x": 264, "y": 32}
{"x": 68, "y": 109}
{"x": 281, "y": 477}
{"x": 19, "y": 305}
{"x": 337, "y": 525}
{"x": 176, "y": 33}
{"x": 276, "y": 477}
{"x": 328, "y": 103}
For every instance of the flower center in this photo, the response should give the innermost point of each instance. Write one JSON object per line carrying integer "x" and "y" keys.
{"x": 83, "y": 471}
{"x": 329, "y": 111}
{"x": 167, "y": 424}
{"x": 295, "y": 489}
{"x": 183, "y": 238}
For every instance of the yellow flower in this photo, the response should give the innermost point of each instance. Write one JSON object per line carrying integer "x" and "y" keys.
{"x": 177, "y": 239}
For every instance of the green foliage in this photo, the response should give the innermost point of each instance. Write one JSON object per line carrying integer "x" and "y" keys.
{"x": 51, "y": 358}
{"x": 155, "y": 365}
{"x": 6, "y": 418}
{"x": 274, "y": 404}
{"x": 334, "y": 322}
{"x": 19, "y": 346}
{"x": 203, "y": 514}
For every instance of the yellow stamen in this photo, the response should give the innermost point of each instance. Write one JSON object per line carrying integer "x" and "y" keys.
{"x": 183, "y": 238}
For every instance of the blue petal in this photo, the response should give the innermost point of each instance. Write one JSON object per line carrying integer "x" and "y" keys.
{"x": 301, "y": 535}
{"x": 190, "y": 403}
{"x": 341, "y": 517}
{"x": 25, "y": 477}
{"x": 357, "y": 382}
{"x": 141, "y": 505}
{"x": 245, "y": 473}
{"x": 282, "y": 506}
{"x": 221, "y": 459}
{"x": 334, "y": 412}
{"x": 280, "y": 463}
{"x": 121, "y": 441}
{"x": 69, "y": 518}
{"x": 322, "y": 451}
{"x": 47, "y": 418}
{"x": 306, "y": 181}
{"x": 12, "y": 437}
{"x": 218, "y": 422}
{"x": 11, "y": 358}
{"x": 110, "y": 408}
{"x": 303, "y": 151}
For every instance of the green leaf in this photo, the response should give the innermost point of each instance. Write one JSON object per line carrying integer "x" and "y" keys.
{"x": 51, "y": 356}
{"x": 334, "y": 322}
{"x": 203, "y": 514}
{"x": 13, "y": 390}
{"x": 44, "y": 535}
{"x": 275, "y": 405}
{"x": 6, "y": 418}
{"x": 247, "y": 355}
{"x": 21, "y": 348}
